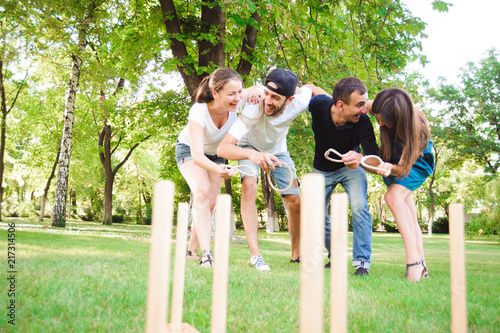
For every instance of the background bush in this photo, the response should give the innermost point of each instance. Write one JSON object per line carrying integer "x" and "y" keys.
{"x": 484, "y": 224}
{"x": 441, "y": 226}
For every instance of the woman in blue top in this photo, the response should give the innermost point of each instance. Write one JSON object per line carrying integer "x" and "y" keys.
{"x": 407, "y": 146}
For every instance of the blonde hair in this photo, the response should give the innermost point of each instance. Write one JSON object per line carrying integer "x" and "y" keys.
{"x": 410, "y": 125}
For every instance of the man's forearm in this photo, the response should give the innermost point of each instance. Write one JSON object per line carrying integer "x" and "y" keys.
{"x": 233, "y": 152}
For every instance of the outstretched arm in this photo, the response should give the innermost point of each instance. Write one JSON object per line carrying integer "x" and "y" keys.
{"x": 317, "y": 90}
{"x": 197, "y": 153}
{"x": 228, "y": 149}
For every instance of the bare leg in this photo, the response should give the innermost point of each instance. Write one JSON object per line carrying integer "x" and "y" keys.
{"x": 396, "y": 198}
{"x": 204, "y": 189}
{"x": 249, "y": 213}
{"x": 193, "y": 241}
{"x": 292, "y": 202}
{"x": 418, "y": 231}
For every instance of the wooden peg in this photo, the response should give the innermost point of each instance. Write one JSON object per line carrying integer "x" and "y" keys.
{"x": 338, "y": 251}
{"x": 312, "y": 240}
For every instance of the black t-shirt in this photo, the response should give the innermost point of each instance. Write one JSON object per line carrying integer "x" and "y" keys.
{"x": 342, "y": 138}
{"x": 396, "y": 147}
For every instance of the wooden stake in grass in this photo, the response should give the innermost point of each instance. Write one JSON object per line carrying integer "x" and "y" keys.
{"x": 221, "y": 261}
{"x": 180, "y": 264}
{"x": 457, "y": 269}
{"x": 159, "y": 257}
{"x": 338, "y": 251}
{"x": 312, "y": 235}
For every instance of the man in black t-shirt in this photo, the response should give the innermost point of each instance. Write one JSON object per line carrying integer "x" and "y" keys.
{"x": 341, "y": 123}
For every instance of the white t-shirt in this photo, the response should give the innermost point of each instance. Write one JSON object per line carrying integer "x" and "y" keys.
{"x": 212, "y": 135}
{"x": 268, "y": 134}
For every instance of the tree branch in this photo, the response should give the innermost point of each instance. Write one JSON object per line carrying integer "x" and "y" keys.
{"x": 117, "y": 145}
{"x": 115, "y": 170}
{"x": 179, "y": 50}
{"x": 17, "y": 94}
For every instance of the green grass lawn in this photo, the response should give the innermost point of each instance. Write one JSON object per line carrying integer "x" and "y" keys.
{"x": 93, "y": 278}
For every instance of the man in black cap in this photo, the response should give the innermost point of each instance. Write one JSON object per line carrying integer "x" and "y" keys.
{"x": 262, "y": 144}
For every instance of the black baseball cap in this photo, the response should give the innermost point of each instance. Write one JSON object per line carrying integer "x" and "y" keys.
{"x": 285, "y": 80}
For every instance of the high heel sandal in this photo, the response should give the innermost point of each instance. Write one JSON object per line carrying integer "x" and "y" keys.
{"x": 426, "y": 274}
{"x": 415, "y": 264}
{"x": 206, "y": 259}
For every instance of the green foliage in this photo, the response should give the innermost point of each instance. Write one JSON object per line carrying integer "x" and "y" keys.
{"x": 484, "y": 224}
{"x": 93, "y": 210}
{"x": 487, "y": 222}
{"x": 375, "y": 222}
{"x": 117, "y": 218}
{"x": 441, "y": 226}
{"x": 441, "y": 6}
{"x": 470, "y": 123}
{"x": 390, "y": 226}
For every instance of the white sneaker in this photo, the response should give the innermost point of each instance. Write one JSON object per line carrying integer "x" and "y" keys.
{"x": 259, "y": 263}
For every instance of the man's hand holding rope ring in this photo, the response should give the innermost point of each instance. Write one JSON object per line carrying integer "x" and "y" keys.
{"x": 351, "y": 159}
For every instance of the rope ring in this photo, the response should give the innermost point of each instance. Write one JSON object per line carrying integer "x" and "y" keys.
{"x": 289, "y": 185}
{"x": 331, "y": 150}
{"x": 238, "y": 169}
{"x": 371, "y": 167}
{"x": 248, "y": 120}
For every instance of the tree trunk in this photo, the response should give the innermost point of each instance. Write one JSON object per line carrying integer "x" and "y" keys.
{"x": 140, "y": 207}
{"x": 140, "y": 192}
{"x": 105, "y": 157}
{"x": 381, "y": 214}
{"x": 3, "y": 132}
{"x": 431, "y": 192}
{"x": 210, "y": 53}
{"x": 179, "y": 50}
{"x": 3, "y": 136}
{"x": 107, "y": 205}
{"x": 229, "y": 190}
{"x": 47, "y": 186}
{"x": 269, "y": 204}
{"x": 247, "y": 47}
{"x": 146, "y": 197}
{"x": 59, "y": 211}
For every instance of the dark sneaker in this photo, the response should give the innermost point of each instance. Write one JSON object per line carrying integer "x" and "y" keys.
{"x": 295, "y": 260}
{"x": 361, "y": 271}
{"x": 328, "y": 265}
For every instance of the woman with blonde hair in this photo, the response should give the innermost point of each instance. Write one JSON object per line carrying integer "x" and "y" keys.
{"x": 210, "y": 118}
{"x": 406, "y": 145}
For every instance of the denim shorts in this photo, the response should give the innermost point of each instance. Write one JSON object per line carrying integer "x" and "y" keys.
{"x": 419, "y": 172}
{"x": 281, "y": 175}
{"x": 183, "y": 154}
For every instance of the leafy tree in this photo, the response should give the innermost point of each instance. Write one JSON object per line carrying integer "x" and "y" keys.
{"x": 470, "y": 119}
{"x": 13, "y": 44}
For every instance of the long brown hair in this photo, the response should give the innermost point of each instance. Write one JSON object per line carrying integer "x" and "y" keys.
{"x": 410, "y": 125}
{"x": 215, "y": 82}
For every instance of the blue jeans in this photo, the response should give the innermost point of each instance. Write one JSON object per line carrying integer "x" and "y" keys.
{"x": 355, "y": 185}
